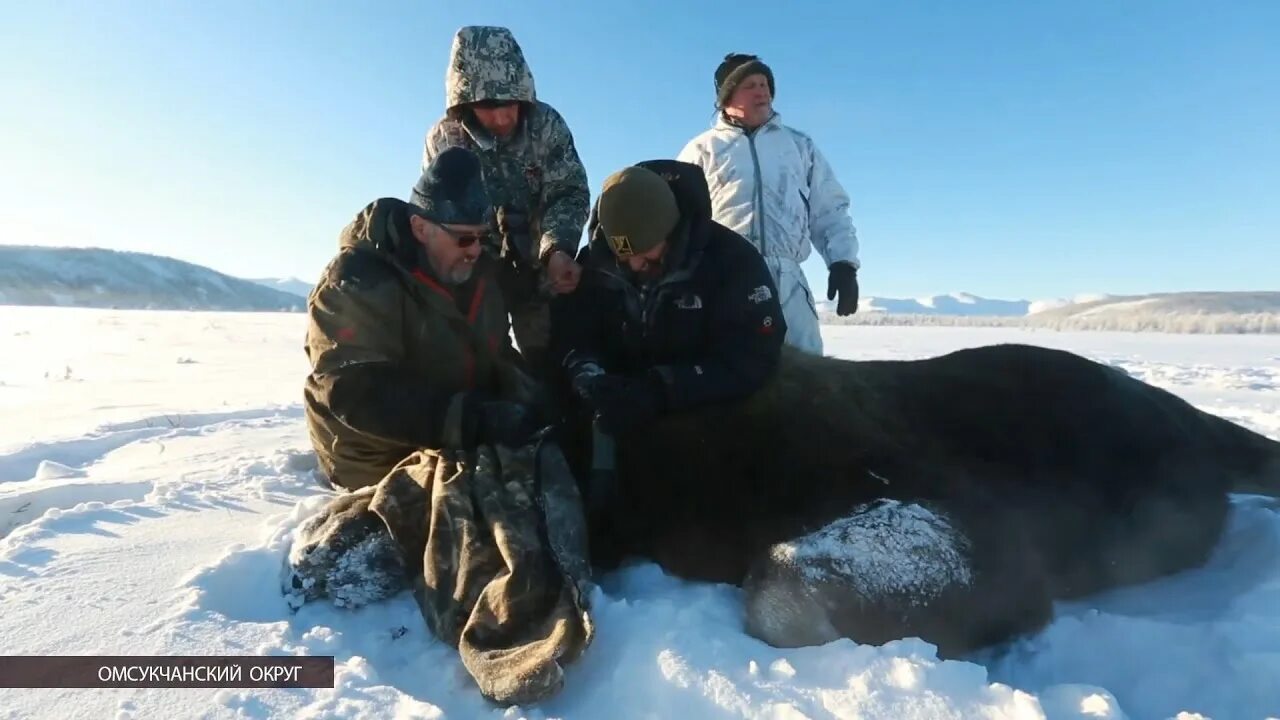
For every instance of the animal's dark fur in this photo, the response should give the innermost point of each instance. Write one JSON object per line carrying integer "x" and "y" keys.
{"x": 1066, "y": 475}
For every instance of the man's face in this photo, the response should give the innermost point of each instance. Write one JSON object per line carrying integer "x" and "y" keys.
{"x": 453, "y": 250}
{"x": 648, "y": 265}
{"x": 499, "y": 118}
{"x": 751, "y": 102}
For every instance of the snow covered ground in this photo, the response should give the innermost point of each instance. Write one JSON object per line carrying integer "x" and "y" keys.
{"x": 153, "y": 464}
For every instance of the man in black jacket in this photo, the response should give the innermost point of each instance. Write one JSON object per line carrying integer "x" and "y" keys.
{"x": 674, "y": 310}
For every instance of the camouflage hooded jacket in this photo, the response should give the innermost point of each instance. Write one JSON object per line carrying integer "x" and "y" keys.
{"x": 536, "y": 172}
{"x": 391, "y": 350}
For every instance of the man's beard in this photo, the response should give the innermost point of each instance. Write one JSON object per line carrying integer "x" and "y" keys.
{"x": 457, "y": 274}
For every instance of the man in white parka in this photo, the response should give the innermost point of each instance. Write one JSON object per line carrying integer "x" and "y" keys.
{"x": 770, "y": 184}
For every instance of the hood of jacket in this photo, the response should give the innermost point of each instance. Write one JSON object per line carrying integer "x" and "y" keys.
{"x": 383, "y": 226}
{"x": 486, "y": 63}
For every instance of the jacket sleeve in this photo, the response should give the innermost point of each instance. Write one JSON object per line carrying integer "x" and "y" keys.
{"x": 359, "y": 371}
{"x": 747, "y": 332}
{"x": 693, "y": 154}
{"x": 566, "y": 197}
{"x": 577, "y": 320}
{"x": 830, "y": 227}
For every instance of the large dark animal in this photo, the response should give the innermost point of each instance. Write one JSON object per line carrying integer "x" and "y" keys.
{"x": 952, "y": 498}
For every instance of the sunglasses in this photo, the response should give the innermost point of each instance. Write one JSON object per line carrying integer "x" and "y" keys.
{"x": 464, "y": 240}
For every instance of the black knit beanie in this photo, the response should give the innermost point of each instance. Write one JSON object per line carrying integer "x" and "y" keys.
{"x": 735, "y": 67}
{"x": 451, "y": 191}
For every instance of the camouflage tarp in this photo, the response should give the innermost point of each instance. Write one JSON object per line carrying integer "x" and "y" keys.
{"x": 496, "y": 549}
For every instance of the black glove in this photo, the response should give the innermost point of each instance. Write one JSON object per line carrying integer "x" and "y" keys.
{"x": 843, "y": 279}
{"x": 582, "y": 377}
{"x": 497, "y": 422}
{"x": 623, "y": 404}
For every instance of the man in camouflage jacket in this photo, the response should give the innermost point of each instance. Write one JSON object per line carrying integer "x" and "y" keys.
{"x": 536, "y": 182}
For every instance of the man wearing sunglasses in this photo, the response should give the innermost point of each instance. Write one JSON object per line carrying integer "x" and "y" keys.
{"x": 536, "y": 183}
{"x": 414, "y": 403}
{"x": 408, "y": 335}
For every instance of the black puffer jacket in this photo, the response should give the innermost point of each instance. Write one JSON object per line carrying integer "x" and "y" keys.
{"x": 711, "y": 327}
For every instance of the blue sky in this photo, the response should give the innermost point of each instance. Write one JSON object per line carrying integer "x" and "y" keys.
{"x": 1014, "y": 150}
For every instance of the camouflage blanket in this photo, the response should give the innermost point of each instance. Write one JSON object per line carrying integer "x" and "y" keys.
{"x": 493, "y": 544}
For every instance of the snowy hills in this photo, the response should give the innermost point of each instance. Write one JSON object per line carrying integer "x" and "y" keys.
{"x": 1184, "y": 312}
{"x": 952, "y": 304}
{"x": 960, "y": 304}
{"x": 1214, "y": 303}
{"x": 291, "y": 285}
{"x": 93, "y": 277}
{"x": 1189, "y": 312}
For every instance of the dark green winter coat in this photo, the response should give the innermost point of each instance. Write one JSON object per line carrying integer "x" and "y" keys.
{"x": 392, "y": 350}
{"x": 491, "y": 539}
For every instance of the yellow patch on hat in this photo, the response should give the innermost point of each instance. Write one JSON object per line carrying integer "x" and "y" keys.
{"x": 621, "y": 245}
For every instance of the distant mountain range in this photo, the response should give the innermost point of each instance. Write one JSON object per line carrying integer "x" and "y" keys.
{"x": 1183, "y": 303}
{"x": 93, "y": 277}
{"x": 292, "y": 285}
{"x": 953, "y": 304}
{"x": 959, "y": 304}
{"x": 1185, "y": 312}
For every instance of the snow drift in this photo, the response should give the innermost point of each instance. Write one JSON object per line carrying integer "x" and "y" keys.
{"x": 191, "y": 477}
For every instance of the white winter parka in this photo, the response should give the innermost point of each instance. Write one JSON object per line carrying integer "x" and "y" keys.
{"x": 798, "y": 203}
{"x": 775, "y": 188}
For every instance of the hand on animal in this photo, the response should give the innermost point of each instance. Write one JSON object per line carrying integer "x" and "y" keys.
{"x": 843, "y": 280}
{"x": 622, "y": 403}
{"x": 582, "y": 377}
{"x": 563, "y": 272}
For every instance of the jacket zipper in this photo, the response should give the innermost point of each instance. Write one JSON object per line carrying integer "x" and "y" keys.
{"x": 757, "y": 196}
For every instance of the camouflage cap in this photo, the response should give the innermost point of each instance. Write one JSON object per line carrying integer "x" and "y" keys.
{"x": 486, "y": 63}
{"x": 451, "y": 190}
{"x": 637, "y": 211}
